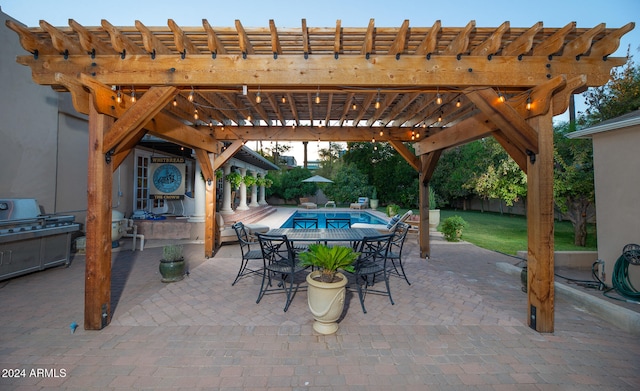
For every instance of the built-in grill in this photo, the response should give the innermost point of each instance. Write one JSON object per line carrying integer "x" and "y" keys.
{"x": 30, "y": 241}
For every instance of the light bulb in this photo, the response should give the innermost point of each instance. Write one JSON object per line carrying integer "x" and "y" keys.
{"x": 133, "y": 97}
{"x": 195, "y": 114}
{"x": 119, "y": 97}
{"x": 458, "y": 104}
{"x": 529, "y": 103}
{"x": 284, "y": 100}
{"x": 317, "y": 98}
{"x": 382, "y": 133}
{"x": 258, "y": 98}
{"x": 175, "y": 102}
{"x": 501, "y": 98}
{"x": 439, "y": 99}
{"x": 190, "y": 97}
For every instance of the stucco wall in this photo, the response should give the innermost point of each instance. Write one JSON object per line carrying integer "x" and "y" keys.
{"x": 617, "y": 183}
{"x": 28, "y": 116}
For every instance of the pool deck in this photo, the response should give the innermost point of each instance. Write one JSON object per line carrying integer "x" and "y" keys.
{"x": 459, "y": 326}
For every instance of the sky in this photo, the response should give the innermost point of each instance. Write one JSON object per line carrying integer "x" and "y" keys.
{"x": 325, "y": 13}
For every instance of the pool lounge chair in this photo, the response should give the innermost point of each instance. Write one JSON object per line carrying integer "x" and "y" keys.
{"x": 385, "y": 228}
{"x": 363, "y": 203}
{"x": 307, "y": 204}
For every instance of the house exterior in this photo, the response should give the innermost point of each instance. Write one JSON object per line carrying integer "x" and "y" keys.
{"x": 617, "y": 185}
{"x": 45, "y": 152}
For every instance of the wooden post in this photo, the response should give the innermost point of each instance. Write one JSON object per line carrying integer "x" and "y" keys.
{"x": 97, "y": 291}
{"x": 210, "y": 231}
{"x": 540, "y": 262}
{"x": 423, "y": 203}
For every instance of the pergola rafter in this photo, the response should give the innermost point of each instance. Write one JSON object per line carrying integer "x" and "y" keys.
{"x": 449, "y": 85}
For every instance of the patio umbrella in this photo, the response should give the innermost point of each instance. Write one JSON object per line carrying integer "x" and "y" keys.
{"x": 317, "y": 179}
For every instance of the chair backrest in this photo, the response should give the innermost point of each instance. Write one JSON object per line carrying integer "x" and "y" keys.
{"x": 305, "y": 222}
{"x": 373, "y": 249}
{"x": 399, "y": 236}
{"x": 363, "y": 200}
{"x": 338, "y": 222}
{"x": 243, "y": 237}
{"x": 276, "y": 249}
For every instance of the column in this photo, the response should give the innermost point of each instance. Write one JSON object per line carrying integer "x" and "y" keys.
{"x": 226, "y": 193}
{"x": 199, "y": 196}
{"x": 243, "y": 192}
{"x": 262, "y": 201}
{"x": 254, "y": 191}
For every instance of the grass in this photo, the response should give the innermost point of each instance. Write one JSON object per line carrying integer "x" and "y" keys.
{"x": 508, "y": 233}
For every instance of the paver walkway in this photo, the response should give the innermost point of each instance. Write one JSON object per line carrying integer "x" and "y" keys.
{"x": 460, "y": 325}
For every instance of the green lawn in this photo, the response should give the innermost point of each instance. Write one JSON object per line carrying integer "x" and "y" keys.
{"x": 508, "y": 234}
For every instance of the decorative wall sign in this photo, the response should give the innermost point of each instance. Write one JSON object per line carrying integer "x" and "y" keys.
{"x": 167, "y": 178}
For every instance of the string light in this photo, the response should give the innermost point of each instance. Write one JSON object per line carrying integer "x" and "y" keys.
{"x": 175, "y": 102}
{"x": 377, "y": 105}
{"x": 195, "y": 114}
{"x": 458, "y": 104}
{"x": 190, "y": 97}
{"x": 501, "y": 97}
{"x": 284, "y": 100}
{"x": 381, "y": 132}
{"x": 438, "y": 97}
{"x": 529, "y": 103}
{"x": 440, "y": 117}
{"x": 318, "y": 96}
{"x": 119, "y": 97}
{"x": 133, "y": 95}
{"x": 258, "y": 98}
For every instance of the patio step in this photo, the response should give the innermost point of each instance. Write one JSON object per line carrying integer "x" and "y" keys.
{"x": 253, "y": 215}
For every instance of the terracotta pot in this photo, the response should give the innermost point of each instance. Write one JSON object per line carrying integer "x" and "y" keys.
{"x": 326, "y": 302}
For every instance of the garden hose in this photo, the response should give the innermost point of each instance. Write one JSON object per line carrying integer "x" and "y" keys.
{"x": 620, "y": 277}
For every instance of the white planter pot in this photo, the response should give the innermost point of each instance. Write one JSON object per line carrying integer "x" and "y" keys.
{"x": 434, "y": 219}
{"x": 373, "y": 204}
{"x": 326, "y": 302}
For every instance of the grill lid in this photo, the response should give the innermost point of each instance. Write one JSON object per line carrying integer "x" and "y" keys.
{"x": 19, "y": 208}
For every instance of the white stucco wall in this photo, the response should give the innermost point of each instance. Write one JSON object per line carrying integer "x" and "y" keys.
{"x": 617, "y": 182}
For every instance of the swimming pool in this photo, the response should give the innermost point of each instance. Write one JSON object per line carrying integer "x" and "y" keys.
{"x": 354, "y": 217}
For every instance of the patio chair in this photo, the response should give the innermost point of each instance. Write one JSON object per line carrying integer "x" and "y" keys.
{"x": 279, "y": 261}
{"x": 363, "y": 203}
{"x": 338, "y": 222}
{"x": 307, "y": 203}
{"x": 395, "y": 250}
{"x": 248, "y": 254}
{"x": 371, "y": 264}
{"x": 305, "y": 222}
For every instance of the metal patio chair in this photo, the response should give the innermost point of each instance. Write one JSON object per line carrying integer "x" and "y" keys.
{"x": 280, "y": 261}
{"x": 372, "y": 264}
{"x": 305, "y": 222}
{"x": 248, "y": 254}
{"x": 395, "y": 250}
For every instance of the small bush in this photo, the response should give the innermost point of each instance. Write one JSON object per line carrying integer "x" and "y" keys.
{"x": 392, "y": 210}
{"x": 452, "y": 228}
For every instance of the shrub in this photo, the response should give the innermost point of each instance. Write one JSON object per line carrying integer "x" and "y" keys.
{"x": 452, "y": 228}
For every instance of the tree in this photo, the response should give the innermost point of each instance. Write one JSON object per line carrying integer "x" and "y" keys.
{"x": 619, "y": 96}
{"x": 394, "y": 179}
{"x": 288, "y": 185}
{"x": 573, "y": 187}
{"x": 349, "y": 183}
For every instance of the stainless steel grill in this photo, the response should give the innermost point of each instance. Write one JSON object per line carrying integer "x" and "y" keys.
{"x": 30, "y": 241}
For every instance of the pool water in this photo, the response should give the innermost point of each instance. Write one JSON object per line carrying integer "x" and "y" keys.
{"x": 354, "y": 217}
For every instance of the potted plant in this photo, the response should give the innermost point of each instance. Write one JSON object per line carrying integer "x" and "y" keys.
{"x": 373, "y": 202}
{"x": 249, "y": 180}
{"x": 234, "y": 179}
{"x": 172, "y": 264}
{"x": 434, "y": 212}
{"x": 327, "y": 290}
{"x": 452, "y": 228}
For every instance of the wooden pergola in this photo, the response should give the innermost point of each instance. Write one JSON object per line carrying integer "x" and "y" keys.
{"x": 435, "y": 87}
